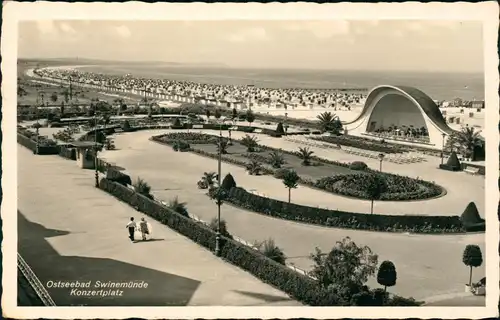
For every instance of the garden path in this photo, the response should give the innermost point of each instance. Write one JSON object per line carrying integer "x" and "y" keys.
{"x": 69, "y": 230}
{"x": 427, "y": 265}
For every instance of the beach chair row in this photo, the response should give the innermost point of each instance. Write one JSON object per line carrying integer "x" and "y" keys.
{"x": 398, "y": 158}
{"x": 311, "y": 143}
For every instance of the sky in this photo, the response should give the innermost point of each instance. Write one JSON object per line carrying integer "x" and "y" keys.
{"x": 404, "y": 45}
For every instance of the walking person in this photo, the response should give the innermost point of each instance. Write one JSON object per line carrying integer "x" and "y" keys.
{"x": 131, "y": 228}
{"x": 144, "y": 228}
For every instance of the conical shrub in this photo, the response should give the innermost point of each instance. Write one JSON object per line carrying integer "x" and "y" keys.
{"x": 453, "y": 161}
{"x": 471, "y": 214}
{"x": 228, "y": 183}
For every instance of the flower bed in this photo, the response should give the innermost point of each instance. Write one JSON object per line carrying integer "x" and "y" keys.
{"x": 400, "y": 188}
{"x": 342, "y": 219}
{"x": 299, "y": 287}
{"x": 228, "y": 159}
{"x": 189, "y": 137}
{"x": 354, "y": 142}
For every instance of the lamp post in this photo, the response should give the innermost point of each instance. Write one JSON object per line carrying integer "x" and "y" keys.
{"x": 381, "y": 157}
{"x": 219, "y": 194}
{"x": 95, "y": 152}
{"x": 286, "y": 124}
{"x": 442, "y": 148}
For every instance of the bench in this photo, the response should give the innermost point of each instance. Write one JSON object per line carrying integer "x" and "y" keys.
{"x": 472, "y": 170}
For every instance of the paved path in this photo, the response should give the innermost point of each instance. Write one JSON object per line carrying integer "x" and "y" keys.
{"x": 427, "y": 265}
{"x": 68, "y": 230}
{"x": 461, "y": 187}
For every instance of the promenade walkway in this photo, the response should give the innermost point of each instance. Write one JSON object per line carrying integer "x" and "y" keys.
{"x": 427, "y": 265}
{"x": 70, "y": 231}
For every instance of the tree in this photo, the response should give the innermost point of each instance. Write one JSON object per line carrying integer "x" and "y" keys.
{"x": 177, "y": 206}
{"x": 305, "y": 154}
{"x": 472, "y": 257}
{"x": 464, "y": 141}
{"x": 250, "y": 117}
{"x": 253, "y": 167}
{"x": 376, "y": 185}
{"x": 228, "y": 182}
{"x": 269, "y": 249}
{"x": 223, "y": 227}
{"x": 53, "y": 97}
{"x": 345, "y": 266}
{"x": 387, "y": 274}
{"x": 142, "y": 187}
{"x": 217, "y": 114}
{"x": 276, "y": 159}
{"x": 291, "y": 181}
{"x": 329, "y": 122}
{"x": 250, "y": 142}
{"x": 209, "y": 178}
{"x": 222, "y": 145}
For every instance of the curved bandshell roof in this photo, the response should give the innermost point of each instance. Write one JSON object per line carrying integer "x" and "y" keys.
{"x": 425, "y": 104}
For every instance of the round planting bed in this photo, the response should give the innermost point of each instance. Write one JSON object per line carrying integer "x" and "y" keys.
{"x": 394, "y": 187}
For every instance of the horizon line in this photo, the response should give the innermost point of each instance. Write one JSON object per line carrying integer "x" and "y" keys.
{"x": 226, "y": 66}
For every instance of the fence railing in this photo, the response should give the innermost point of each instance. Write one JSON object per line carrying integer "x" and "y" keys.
{"x": 35, "y": 283}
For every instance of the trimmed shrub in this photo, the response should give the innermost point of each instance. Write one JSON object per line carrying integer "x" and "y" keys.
{"x": 68, "y": 153}
{"x": 471, "y": 219}
{"x": 228, "y": 182}
{"x": 342, "y": 219}
{"x": 358, "y": 166}
{"x": 112, "y": 174}
{"x": 280, "y": 129}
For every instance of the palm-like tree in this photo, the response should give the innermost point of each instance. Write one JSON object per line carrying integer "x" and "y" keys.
{"x": 177, "y": 206}
{"x": 269, "y": 249}
{"x": 222, "y": 145}
{"x": 250, "y": 142}
{"x": 209, "y": 178}
{"x": 465, "y": 140}
{"x": 305, "y": 154}
{"x": 329, "y": 122}
{"x": 276, "y": 159}
{"x": 254, "y": 167}
{"x": 142, "y": 187}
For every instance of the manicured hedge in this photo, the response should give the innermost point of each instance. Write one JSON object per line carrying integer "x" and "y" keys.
{"x": 299, "y": 287}
{"x": 112, "y": 174}
{"x": 342, "y": 219}
{"x": 26, "y": 142}
{"x": 68, "y": 153}
{"x": 43, "y": 148}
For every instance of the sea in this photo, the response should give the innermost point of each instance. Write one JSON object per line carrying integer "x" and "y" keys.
{"x": 439, "y": 86}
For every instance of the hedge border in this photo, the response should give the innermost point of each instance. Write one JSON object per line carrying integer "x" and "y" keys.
{"x": 343, "y": 219}
{"x": 297, "y": 286}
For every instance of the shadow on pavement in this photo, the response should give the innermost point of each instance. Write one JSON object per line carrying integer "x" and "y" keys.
{"x": 163, "y": 289}
{"x": 149, "y": 240}
{"x": 263, "y": 297}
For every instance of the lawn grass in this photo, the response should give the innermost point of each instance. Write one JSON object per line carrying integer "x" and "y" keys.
{"x": 238, "y": 151}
